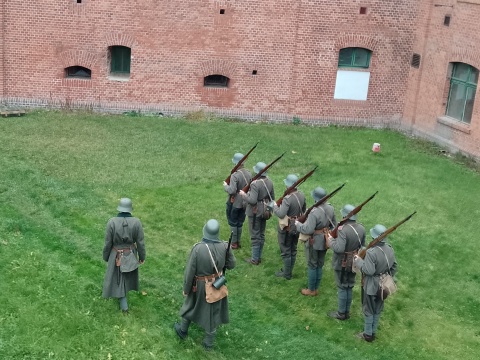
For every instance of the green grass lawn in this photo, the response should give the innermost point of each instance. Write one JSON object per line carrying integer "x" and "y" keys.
{"x": 62, "y": 174}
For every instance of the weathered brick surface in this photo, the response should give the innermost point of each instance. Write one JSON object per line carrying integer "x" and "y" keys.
{"x": 292, "y": 45}
{"x": 428, "y": 86}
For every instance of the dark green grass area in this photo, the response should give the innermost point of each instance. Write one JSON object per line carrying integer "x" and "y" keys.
{"x": 62, "y": 174}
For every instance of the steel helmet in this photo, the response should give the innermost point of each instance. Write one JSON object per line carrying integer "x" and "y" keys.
{"x": 346, "y": 210}
{"x": 318, "y": 193}
{"x": 237, "y": 157}
{"x": 211, "y": 230}
{"x": 378, "y": 230}
{"x": 125, "y": 205}
{"x": 290, "y": 180}
{"x": 259, "y": 167}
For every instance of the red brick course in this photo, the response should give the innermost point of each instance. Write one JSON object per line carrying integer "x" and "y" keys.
{"x": 292, "y": 45}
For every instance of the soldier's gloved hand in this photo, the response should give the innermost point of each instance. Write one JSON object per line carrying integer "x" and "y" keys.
{"x": 225, "y": 183}
{"x": 242, "y": 193}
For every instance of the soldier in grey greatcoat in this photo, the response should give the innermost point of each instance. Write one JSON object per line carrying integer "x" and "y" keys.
{"x": 124, "y": 234}
{"x": 261, "y": 192}
{"x": 320, "y": 220}
{"x": 379, "y": 259}
{"x": 202, "y": 266}
{"x": 350, "y": 238}
{"x": 293, "y": 205}
{"x": 235, "y": 208}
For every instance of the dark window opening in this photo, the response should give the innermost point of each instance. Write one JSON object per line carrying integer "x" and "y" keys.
{"x": 120, "y": 59}
{"x": 254, "y": 72}
{"x": 363, "y": 10}
{"x": 78, "y": 72}
{"x": 222, "y": 11}
{"x": 79, "y": 1}
{"x": 354, "y": 57}
{"x": 415, "y": 61}
{"x": 446, "y": 20}
{"x": 215, "y": 81}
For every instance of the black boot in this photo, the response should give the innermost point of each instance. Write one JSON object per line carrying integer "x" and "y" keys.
{"x": 338, "y": 315}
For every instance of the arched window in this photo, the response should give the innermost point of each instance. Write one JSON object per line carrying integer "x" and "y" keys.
{"x": 461, "y": 96}
{"x": 120, "y": 60}
{"x": 78, "y": 72}
{"x": 215, "y": 81}
{"x": 354, "y": 57}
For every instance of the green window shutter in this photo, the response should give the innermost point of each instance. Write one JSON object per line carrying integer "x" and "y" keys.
{"x": 120, "y": 62}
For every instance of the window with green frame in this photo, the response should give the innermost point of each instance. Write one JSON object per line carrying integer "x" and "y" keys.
{"x": 120, "y": 59}
{"x": 354, "y": 57}
{"x": 461, "y": 96}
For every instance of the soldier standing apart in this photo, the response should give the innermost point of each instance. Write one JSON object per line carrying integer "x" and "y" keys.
{"x": 292, "y": 206}
{"x": 379, "y": 259}
{"x": 205, "y": 259}
{"x": 123, "y": 239}
{"x": 320, "y": 220}
{"x": 260, "y": 193}
{"x": 235, "y": 209}
{"x": 351, "y": 237}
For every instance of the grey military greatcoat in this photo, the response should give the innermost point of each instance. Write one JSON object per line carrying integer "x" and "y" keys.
{"x": 351, "y": 237}
{"x": 123, "y": 232}
{"x": 195, "y": 307}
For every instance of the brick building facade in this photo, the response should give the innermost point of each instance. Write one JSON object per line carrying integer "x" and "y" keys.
{"x": 344, "y": 62}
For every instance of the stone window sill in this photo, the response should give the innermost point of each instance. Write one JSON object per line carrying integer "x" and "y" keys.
{"x": 117, "y": 77}
{"x": 453, "y": 123}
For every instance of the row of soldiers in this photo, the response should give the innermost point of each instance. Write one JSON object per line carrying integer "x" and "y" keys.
{"x": 316, "y": 234}
{"x": 124, "y": 251}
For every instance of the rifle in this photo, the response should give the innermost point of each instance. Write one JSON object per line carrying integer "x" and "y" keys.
{"x": 220, "y": 281}
{"x": 302, "y": 218}
{"x": 247, "y": 187}
{"x": 334, "y": 232}
{"x": 362, "y": 253}
{"x": 242, "y": 160}
{"x": 294, "y": 186}
{"x": 228, "y": 251}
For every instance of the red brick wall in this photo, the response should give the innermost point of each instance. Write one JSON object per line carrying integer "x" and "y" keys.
{"x": 427, "y": 91}
{"x": 292, "y": 44}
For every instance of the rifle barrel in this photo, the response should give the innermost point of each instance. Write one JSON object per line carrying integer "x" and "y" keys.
{"x": 303, "y": 218}
{"x": 240, "y": 162}
{"x": 295, "y": 185}
{"x": 260, "y": 173}
{"x": 363, "y": 252}
{"x": 334, "y": 232}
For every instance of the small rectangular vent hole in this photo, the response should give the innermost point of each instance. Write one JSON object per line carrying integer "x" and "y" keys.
{"x": 416, "y": 60}
{"x": 446, "y": 20}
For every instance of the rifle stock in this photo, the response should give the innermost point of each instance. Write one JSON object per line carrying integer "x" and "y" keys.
{"x": 362, "y": 253}
{"x": 247, "y": 187}
{"x": 242, "y": 160}
{"x": 292, "y": 188}
{"x": 228, "y": 251}
{"x": 302, "y": 218}
{"x": 334, "y": 232}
